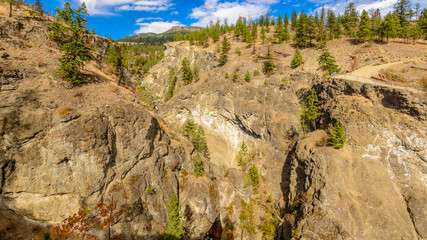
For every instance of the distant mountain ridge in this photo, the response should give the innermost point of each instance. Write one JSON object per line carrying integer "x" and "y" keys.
{"x": 161, "y": 38}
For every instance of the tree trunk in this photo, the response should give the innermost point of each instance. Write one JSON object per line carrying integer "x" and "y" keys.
{"x": 10, "y": 11}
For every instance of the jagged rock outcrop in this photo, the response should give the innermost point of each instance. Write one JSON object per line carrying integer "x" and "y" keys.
{"x": 62, "y": 148}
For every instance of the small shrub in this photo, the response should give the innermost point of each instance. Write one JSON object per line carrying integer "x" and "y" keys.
{"x": 337, "y": 138}
{"x": 247, "y": 77}
{"x": 252, "y": 179}
{"x": 62, "y": 112}
{"x": 238, "y": 52}
{"x": 198, "y": 166}
{"x": 226, "y": 75}
{"x": 256, "y": 72}
{"x": 243, "y": 157}
{"x": 246, "y": 217}
{"x": 223, "y": 59}
{"x": 235, "y": 76}
{"x": 149, "y": 190}
{"x": 175, "y": 228}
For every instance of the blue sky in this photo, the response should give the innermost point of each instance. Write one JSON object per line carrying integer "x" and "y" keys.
{"x": 119, "y": 18}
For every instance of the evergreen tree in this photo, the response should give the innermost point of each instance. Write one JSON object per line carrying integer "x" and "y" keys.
{"x": 268, "y": 67}
{"x": 70, "y": 29}
{"x": 297, "y": 59}
{"x": 331, "y": 23}
{"x": 176, "y": 223}
{"x": 403, "y": 11}
{"x": 38, "y": 7}
{"x": 321, "y": 33}
{"x": 263, "y": 36}
{"x": 327, "y": 61}
{"x": 350, "y": 20}
{"x": 417, "y": 10}
{"x": 337, "y": 138}
{"x": 223, "y": 59}
{"x": 247, "y": 76}
{"x": 178, "y": 36}
{"x": 186, "y": 74}
{"x": 422, "y": 21}
{"x": 294, "y": 19}
{"x": 114, "y": 59}
{"x": 302, "y": 34}
{"x": 171, "y": 84}
{"x": 311, "y": 110}
{"x": 389, "y": 27}
{"x": 226, "y": 45}
{"x": 254, "y": 31}
{"x": 278, "y": 29}
{"x": 376, "y": 22}
{"x": 415, "y": 32}
{"x": 364, "y": 33}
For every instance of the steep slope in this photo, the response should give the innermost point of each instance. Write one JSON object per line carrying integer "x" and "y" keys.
{"x": 62, "y": 148}
{"x": 372, "y": 189}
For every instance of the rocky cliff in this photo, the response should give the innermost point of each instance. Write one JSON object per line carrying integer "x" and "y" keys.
{"x": 265, "y": 178}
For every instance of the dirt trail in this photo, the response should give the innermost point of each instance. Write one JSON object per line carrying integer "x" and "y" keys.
{"x": 364, "y": 75}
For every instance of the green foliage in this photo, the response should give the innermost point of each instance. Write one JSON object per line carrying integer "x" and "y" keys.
{"x": 226, "y": 75}
{"x": 114, "y": 58}
{"x": 246, "y": 217}
{"x": 304, "y": 29}
{"x": 256, "y": 72}
{"x": 69, "y": 30}
{"x": 389, "y": 27}
{"x": 247, "y": 76}
{"x": 263, "y": 36}
{"x": 244, "y": 156}
{"x": 310, "y": 110}
{"x": 337, "y": 138}
{"x": 139, "y": 59}
{"x": 238, "y": 52}
{"x": 327, "y": 61}
{"x": 186, "y": 73}
{"x": 175, "y": 228}
{"x": 235, "y": 76}
{"x": 350, "y": 20}
{"x": 296, "y": 233}
{"x": 38, "y": 6}
{"x": 269, "y": 225}
{"x": 268, "y": 65}
{"x": 46, "y": 235}
{"x": 177, "y": 37}
{"x": 171, "y": 85}
{"x": 149, "y": 190}
{"x": 364, "y": 33}
{"x": 253, "y": 179}
{"x": 226, "y": 45}
{"x": 198, "y": 166}
{"x": 297, "y": 59}
{"x": 223, "y": 59}
{"x": 196, "y": 135}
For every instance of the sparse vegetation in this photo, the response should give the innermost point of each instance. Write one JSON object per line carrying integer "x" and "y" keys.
{"x": 327, "y": 61}
{"x": 337, "y": 138}
{"x": 244, "y": 156}
{"x": 70, "y": 29}
{"x": 268, "y": 66}
{"x": 256, "y": 72}
{"x": 310, "y": 110}
{"x": 246, "y": 217}
{"x": 198, "y": 166}
{"x": 238, "y": 52}
{"x": 297, "y": 59}
{"x": 196, "y": 135}
{"x": 247, "y": 77}
{"x": 175, "y": 228}
{"x": 186, "y": 73}
{"x": 235, "y": 76}
{"x": 253, "y": 179}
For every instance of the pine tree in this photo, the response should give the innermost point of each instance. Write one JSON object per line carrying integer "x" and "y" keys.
{"x": 403, "y": 11}
{"x": 321, "y": 33}
{"x": 302, "y": 32}
{"x": 337, "y": 138}
{"x": 311, "y": 110}
{"x": 294, "y": 19}
{"x": 389, "y": 27}
{"x": 268, "y": 67}
{"x": 364, "y": 33}
{"x": 415, "y": 33}
{"x": 171, "y": 84}
{"x": 223, "y": 59}
{"x": 422, "y": 22}
{"x": 297, "y": 59}
{"x": 254, "y": 31}
{"x": 376, "y": 22}
{"x": 278, "y": 29}
{"x": 69, "y": 29}
{"x": 331, "y": 23}
{"x": 417, "y": 10}
{"x": 38, "y": 7}
{"x": 350, "y": 20}
{"x": 176, "y": 223}
{"x": 263, "y": 36}
{"x": 327, "y": 61}
{"x": 186, "y": 73}
{"x": 226, "y": 45}
{"x": 247, "y": 76}
{"x": 178, "y": 36}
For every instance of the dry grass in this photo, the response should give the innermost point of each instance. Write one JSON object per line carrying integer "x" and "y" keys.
{"x": 65, "y": 111}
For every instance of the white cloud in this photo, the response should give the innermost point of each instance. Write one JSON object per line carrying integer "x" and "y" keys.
{"x": 156, "y": 27}
{"x": 174, "y": 13}
{"x": 215, "y": 9}
{"x": 148, "y": 19}
{"x": 338, "y": 6}
{"x": 105, "y": 6}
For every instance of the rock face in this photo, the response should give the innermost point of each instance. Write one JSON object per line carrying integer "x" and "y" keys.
{"x": 63, "y": 148}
